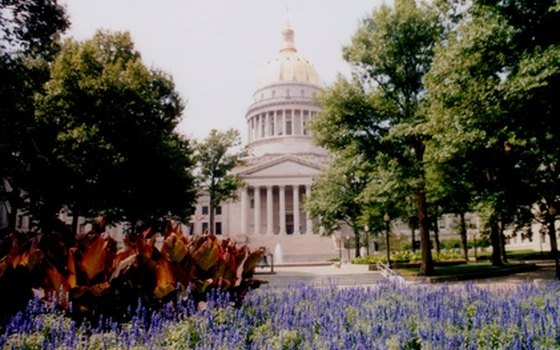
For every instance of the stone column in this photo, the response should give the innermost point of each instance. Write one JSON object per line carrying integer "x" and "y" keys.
{"x": 275, "y": 123}
{"x": 301, "y": 123}
{"x": 244, "y": 205}
{"x": 309, "y": 223}
{"x": 257, "y": 195}
{"x": 269, "y": 211}
{"x": 295, "y": 194}
{"x": 267, "y": 127}
{"x": 282, "y": 193}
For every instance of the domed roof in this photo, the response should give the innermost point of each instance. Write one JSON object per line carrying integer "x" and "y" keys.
{"x": 288, "y": 66}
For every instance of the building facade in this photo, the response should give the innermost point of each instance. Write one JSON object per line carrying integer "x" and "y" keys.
{"x": 279, "y": 171}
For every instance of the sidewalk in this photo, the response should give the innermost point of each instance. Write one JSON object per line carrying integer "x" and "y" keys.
{"x": 346, "y": 274}
{"x": 359, "y": 275}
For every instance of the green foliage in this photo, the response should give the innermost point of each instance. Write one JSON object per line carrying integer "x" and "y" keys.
{"x": 379, "y": 114}
{"x": 216, "y": 157}
{"x": 407, "y": 256}
{"x": 106, "y": 140}
{"x": 95, "y": 279}
{"x": 29, "y": 32}
{"x": 492, "y": 110}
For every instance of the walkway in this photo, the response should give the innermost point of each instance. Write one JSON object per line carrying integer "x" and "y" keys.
{"x": 345, "y": 275}
{"x": 359, "y": 275}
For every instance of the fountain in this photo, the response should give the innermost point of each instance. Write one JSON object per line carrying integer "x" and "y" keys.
{"x": 278, "y": 258}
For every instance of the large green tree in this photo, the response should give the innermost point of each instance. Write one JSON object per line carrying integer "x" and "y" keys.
{"x": 106, "y": 139}
{"x": 216, "y": 156}
{"x": 492, "y": 91}
{"x": 390, "y": 54}
{"x": 29, "y": 32}
{"x": 335, "y": 195}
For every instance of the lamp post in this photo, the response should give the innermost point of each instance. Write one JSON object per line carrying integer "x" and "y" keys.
{"x": 387, "y": 219}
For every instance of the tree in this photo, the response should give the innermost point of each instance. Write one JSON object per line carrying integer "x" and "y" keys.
{"x": 216, "y": 157}
{"x": 29, "y": 31}
{"x": 384, "y": 106}
{"x": 335, "y": 195}
{"x": 491, "y": 91}
{"x": 105, "y": 137}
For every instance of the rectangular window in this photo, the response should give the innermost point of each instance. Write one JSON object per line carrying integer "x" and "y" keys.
{"x": 204, "y": 228}
{"x": 288, "y": 125}
{"x": 219, "y": 210}
{"x": 218, "y": 230}
{"x": 204, "y": 210}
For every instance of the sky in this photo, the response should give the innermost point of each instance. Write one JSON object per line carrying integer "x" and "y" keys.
{"x": 215, "y": 49}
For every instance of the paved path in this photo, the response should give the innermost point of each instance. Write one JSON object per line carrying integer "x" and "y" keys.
{"x": 345, "y": 275}
{"x": 358, "y": 275}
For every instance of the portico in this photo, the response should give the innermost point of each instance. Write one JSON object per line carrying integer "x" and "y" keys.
{"x": 275, "y": 209}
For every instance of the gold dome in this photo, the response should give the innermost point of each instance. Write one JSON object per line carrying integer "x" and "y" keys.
{"x": 288, "y": 66}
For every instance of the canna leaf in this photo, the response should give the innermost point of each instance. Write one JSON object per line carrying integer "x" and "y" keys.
{"x": 94, "y": 258}
{"x": 174, "y": 248}
{"x": 72, "y": 278}
{"x": 56, "y": 280}
{"x": 165, "y": 279}
{"x": 207, "y": 253}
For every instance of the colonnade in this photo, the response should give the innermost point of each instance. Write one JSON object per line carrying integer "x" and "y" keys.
{"x": 279, "y": 122}
{"x": 274, "y": 209}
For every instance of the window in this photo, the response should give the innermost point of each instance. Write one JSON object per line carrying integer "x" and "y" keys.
{"x": 204, "y": 227}
{"x": 204, "y": 210}
{"x": 218, "y": 230}
{"x": 219, "y": 210}
{"x": 288, "y": 125}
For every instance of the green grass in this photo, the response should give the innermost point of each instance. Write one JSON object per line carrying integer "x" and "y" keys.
{"x": 526, "y": 254}
{"x": 480, "y": 268}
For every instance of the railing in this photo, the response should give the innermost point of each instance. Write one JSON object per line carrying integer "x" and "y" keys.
{"x": 388, "y": 273}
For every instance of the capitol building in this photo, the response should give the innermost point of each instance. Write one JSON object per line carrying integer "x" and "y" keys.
{"x": 281, "y": 165}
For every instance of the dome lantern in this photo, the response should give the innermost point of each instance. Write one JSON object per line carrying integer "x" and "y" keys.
{"x": 288, "y": 66}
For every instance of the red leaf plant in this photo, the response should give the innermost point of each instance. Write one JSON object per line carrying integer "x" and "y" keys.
{"x": 89, "y": 277}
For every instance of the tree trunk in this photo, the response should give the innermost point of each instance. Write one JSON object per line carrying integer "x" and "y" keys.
{"x": 357, "y": 242}
{"x": 413, "y": 234}
{"x": 427, "y": 264}
{"x": 436, "y": 235}
{"x": 463, "y": 234}
{"x": 503, "y": 242}
{"x": 75, "y": 220}
{"x": 551, "y": 222}
{"x": 496, "y": 246}
{"x": 211, "y": 217}
{"x": 551, "y": 219}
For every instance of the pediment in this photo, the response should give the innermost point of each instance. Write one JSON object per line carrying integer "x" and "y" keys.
{"x": 284, "y": 166}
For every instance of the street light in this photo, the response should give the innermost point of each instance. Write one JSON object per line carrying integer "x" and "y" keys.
{"x": 387, "y": 219}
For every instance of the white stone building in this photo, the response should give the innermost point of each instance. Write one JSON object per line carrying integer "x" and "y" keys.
{"x": 279, "y": 171}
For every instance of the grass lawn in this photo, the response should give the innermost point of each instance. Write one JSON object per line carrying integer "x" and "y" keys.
{"x": 481, "y": 269}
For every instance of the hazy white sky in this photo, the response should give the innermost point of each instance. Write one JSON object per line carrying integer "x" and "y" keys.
{"x": 215, "y": 49}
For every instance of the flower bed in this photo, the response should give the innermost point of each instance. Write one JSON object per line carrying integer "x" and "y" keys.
{"x": 387, "y": 316}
